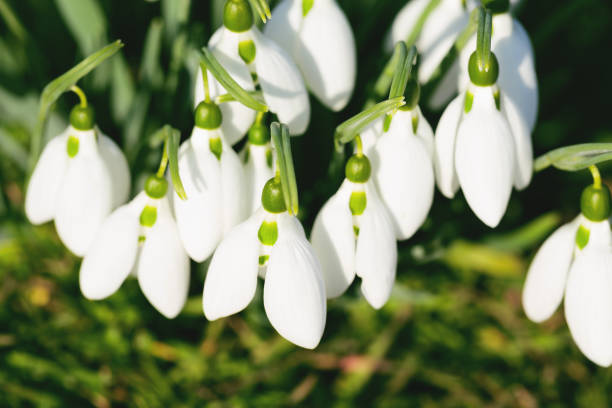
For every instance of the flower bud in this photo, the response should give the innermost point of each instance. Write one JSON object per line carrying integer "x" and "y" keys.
{"x": 82, "y": 117}
{"x": 595, "y": 203}
{"x": 272, "y": 198}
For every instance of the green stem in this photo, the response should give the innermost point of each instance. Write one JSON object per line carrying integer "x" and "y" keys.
{"x": 163, "y": 164}
{"x": 205, "y": 81}
{"x": 596, "y": 176}
{"x": 80, "y": 94}
{"x": 359, "y": 146}
{"x": 483, "y": 37}
{"x": 420, "y": 23}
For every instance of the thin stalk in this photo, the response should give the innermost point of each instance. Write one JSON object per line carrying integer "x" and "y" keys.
{"x": 80, "y": 94}
{"x": 163, "y": 164}
{"x": 596, "y": 176}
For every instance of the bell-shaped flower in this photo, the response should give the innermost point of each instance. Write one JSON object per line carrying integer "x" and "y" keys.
{"x": 353, "y": 234}
{"x": 213, "y": 179}
{"x": 79, "y": 179}
{"x": 253, "y": 59}
{"x": 271, "y": 243}
{"x": 483, "y": 145}
{"x": 258, "y": 165}
{"x": 402, "y": 167}
{"x": 140, "y": 238}
{"x": 319, "y": 37}
{"x": 517, "y": 76}
{"x": 576, "y": 260}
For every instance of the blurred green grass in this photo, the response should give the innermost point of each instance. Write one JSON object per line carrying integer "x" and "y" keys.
{"x": 453, "y": 334}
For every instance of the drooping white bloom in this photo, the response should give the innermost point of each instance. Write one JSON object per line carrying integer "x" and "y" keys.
{"x": 281, "y": 82}
{"x": 322, "y": 43}
{"x": 141, "y": 238}
{"x": 402, "y": 168}
{"x": 483, "y": 145}
{"x": 214, "y": 183}
{"x": 294, "y": 294}
{"x": 258, "y": 169}
{"x": 517, "y": 76}
{"x": 353, "y": 241}
{"x": 576, "y": 260}
{"x": 79, "y": 179}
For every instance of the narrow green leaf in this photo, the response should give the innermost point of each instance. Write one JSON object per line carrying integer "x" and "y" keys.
{"x": 175, "y": 14}
{"x": 60, "y": 85}
{"x": 150, "y": 68}
{"x": 122, "y": 89}
{"x": 257, "y": 95}
{"x": 11, "y": 21}
{"x": 262, "y": 9}
{"x": 174, "y": 139}
{"x": 212, "y": 64}
{"x": 401, "y": 71}
{"x": 290, "y": 168}
{"x": 576, "y": 157}
{"x": 277, "y": 141}
{"x": 527, "y": 236}
{"x": 86, "y": 21}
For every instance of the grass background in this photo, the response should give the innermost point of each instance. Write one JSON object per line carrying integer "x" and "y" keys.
{"x": 453, "y": 334}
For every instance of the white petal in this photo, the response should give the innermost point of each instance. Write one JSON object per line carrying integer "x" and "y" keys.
{"x": 445, "y": 139}
{"x": 404, "y": 22}
{"x": 426, "y": 134}
{"x": 281, "y": 84}
{"x": 522, "y": 142}
{"x": 376, "y": 256}
{"x": 234, "y": 204}
{"x": 112, "y": 254}
{"x": 237, "y": 118}
{"x": 85, "y": 198}
{"x": 46, "y": 181}
{"x": 294, "y": 293}
{"x": 370, "y": 136}
{"x": 484, "y": 158}
{"x": 257, "y": 171}
{"x": 588, "y": 304}
{"x": 118, "y": 167}
{"x": 404, "y": 175}
{"x": 199, "y": 218}
{"x": 285, "y": 23}
{"x": 163, "y": 266}
{"x": 326, "y": 54}
{"x": 599, "y": 232}
{"x": 333, "y": 240}
{"x": 545, "y": 283}
{"x": 232, "y": 275}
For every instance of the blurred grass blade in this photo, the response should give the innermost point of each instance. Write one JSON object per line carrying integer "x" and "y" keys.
{"x": 470, "y": 256}
{"x": 61, "y": 84}
{"x": 150, "y": 68}
{"x": 86, "y": 21}
{"x": 277, "y": 141}
{"x": 347, "y": 131}
{"x": 527, "y": 236}
{"x": 10, "y": 148}
{"x": 11, "y": 21}
{"x": 574, "y": 158}
{"x": 231, "y": 86}
{"x": 122, "y": 89}
{"x": 174, "y": 139}
{"x": 175, "y": 14}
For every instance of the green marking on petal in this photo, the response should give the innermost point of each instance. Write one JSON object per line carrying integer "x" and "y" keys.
{"x": 148, "y": 216}
{"x": 387, "y": 123}
{"x": 216, "y": 147}
{"x": 72, "y": 146}
{"x": 141, "y": 239}
{"x": 263, "y": 259}
{"x": 358, "y": 202}
{"x": 269, "y": 158}
{"x": 415, "y": 122}
{"x": 582, "y": 237}
{"x": 306, "y": 7}
{"x": 469, "y": 101}
{"x": 268, "y": 233}
{"x": 247, "y": 51}
{"x": 497, "y": 97}
{"x": 356, "y": 230}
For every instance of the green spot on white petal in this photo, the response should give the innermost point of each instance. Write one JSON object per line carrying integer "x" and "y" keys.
{"x": 216, "y": 147}
{"x": 415, "y": 122}
{"x": 268, "y": 233}
{"x": 497, "y": 97}
{"x": 148, "y": 216}
{"x": 469, "y": 101}
{"x": 263, "y": 259}
{"x": 72, "y": 146}
{"x": 356, "y": 230}
{"x": 247, "y": 51}
{"x": 358, "y": 202}
{"x": 582, "y": 237}
{"x": 306, "y": 7}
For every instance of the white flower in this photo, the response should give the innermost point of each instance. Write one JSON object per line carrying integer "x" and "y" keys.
{"x": 484, "y": 149}
{"x": 361, "y": 244}
{"x": 213, "y": 179}
{"x": 294, "y": 295}
{"x": 79, "y": 179}
{"x": 322, "y": 44}
{"x": 258, "y": 169}
{"x": 140, "y": 237}
{"x": 576, "y": 259}
{"x": 517, "y": 76}
{"x": 280, "y": 80}
{"x": 402, "y": 168}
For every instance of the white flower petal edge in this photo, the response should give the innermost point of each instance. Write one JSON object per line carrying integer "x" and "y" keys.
{"x": 333, "y": 240}
{"x": 445, "y": 140}
{"x": 485, "y": 158}
{"x": 257, "y": 171}
{"x": 281, "y": 84}
{"x": 231, "y": 280}
{"x": 326, "y": 54}
{"x": 117, "y": 165}
{"x": 163, "y": 266}
{"x": 588, "y": 304}
{"x": 46, "y": 181}
{"x": 294, "y": 293}
{"x": 547, "y": 275}
{"x": 522, "y": 142}
{"x": 112, "y": 254}
{"x": 233, "y": 189}
{"x": 376, "y": 254}
{"x": 285, "y": 24}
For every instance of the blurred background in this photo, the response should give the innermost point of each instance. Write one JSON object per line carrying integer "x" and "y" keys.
{"x": 452, "y": 335}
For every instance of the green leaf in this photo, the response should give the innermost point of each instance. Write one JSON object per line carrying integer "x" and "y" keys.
{"x": 575, "y": 158}
{"x": 86, "y": 21}
{"x": 175, "y": 14}
{"x": 173, "y": 141}
{"x": 61, "y": 84}
{"x": 290, "y": 169}
{"x": 403, "y": 70}
{"x": 150, "y": 68}
{"x": 11, "y": 21}
{"x": 122, "y": 89}
{"x": 212, "y": 64}
{"x": 262, "y": 9}
{"x": 527, "y": 236}
{"x": 278, "y": 142}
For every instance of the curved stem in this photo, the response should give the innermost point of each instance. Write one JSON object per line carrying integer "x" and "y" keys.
{"x": 163, "y": 164}
{"x": 596, "y": 176}
{"x": 483, "y": 36}
{"x": 260, "y": 117}
{"x": 359, "y": 145}
{"x": 80, "y": 94}
{"x": 205, "y": 81}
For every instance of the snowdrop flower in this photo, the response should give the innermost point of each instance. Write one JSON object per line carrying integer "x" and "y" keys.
{"x": 517, "y": 76}
{"x": 141, "y": 238}
{"x": 271, "y": 243}
{"x": 402, "y": 163}
{"x": 319, "y": 37}
{"x": 213, "y": 179}
{"x": 353, "y": 235}
{"x": 576, "y": 260}
{"x": 253, "y": 59}
{"x": 80, "y": 178}
{"x": 483, "y": 145}
{"x": 258, "y": 164}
